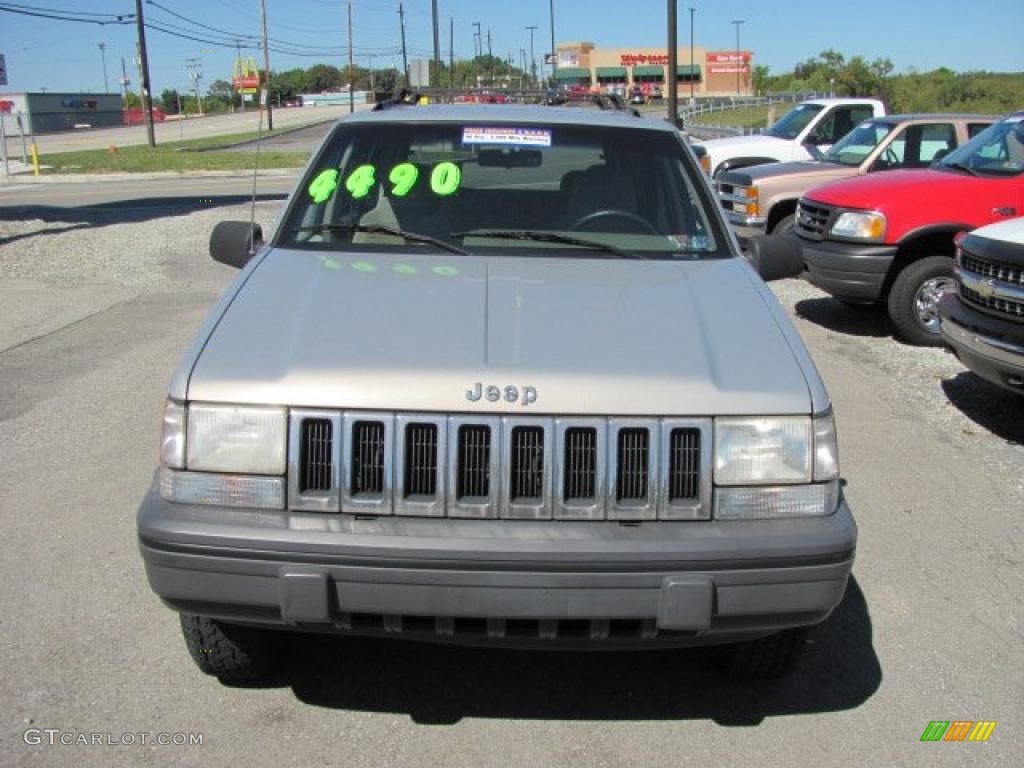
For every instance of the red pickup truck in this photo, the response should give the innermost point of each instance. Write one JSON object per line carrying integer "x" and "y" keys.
{"x": 888, "y": 237}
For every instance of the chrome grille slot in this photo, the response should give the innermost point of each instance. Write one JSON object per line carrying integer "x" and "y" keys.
{"x": 314, "y": 461}
{"x": 580, "y": 468}
{"x": 367, "y": 458}
{"x": 812, "y": 219}
{"x": 316, "y": 458}
{"x": 420, "y": 460}
{"x": 684, "y": 464}
{"x": 633, "y": 457}
{"x": 1004, "y": 273}
{"x": 632, "y": 467}
{"x": 474, "y": 469}
{"x": 526, "y": 459}
{"x": 993, "y": 303}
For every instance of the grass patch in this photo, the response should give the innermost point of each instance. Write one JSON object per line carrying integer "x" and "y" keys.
{"x": 743, "y": 117}
{"x": 173, "y": 156}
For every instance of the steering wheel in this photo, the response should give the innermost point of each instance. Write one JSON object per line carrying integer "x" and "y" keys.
{"x": 890, "y": 157}
{"x": 610, "y": 212}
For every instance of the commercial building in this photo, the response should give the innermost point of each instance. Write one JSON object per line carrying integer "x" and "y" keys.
{"x": 50, "y": 112}
{"x": 712, "y": 73}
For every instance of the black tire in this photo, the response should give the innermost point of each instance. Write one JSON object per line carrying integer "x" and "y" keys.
{"x": 231, "y": 652}
{"x": 904, "y": 296}
{"x": 766, "y": 658}
{"x": 785, "y": 224}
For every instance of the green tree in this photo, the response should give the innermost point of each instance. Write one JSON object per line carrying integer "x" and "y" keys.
{"x": 169, "y": 101}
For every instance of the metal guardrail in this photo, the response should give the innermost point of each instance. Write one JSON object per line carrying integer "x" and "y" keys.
{"x": 724, "y": 105}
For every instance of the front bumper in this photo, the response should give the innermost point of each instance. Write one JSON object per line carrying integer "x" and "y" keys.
{"x": 511, "y": 582}
{"x": 848, "y": 270}
{"x": 745, "y": 226}
{"x": 991, "y": 347}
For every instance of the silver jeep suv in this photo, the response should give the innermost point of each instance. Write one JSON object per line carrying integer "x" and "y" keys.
{"x": 500, "y": 376}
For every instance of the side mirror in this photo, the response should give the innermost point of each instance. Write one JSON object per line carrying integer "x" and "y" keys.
{"x": 776, "y": 257}
{"x": 234, "y": 242}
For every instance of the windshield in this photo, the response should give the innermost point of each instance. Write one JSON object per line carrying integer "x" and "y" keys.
{"x": 793, "y": 122}
{"x": 858, "y": 143}
{"x": 997, "y": 151}
{"x": 503, "y": 188}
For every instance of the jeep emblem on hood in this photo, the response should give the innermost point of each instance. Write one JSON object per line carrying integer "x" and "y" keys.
{"x": 525, "y": 395}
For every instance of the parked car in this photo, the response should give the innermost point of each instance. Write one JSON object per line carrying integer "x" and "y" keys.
{"x": 514, "y": 385}
{"x": 762, "y": 199}
{"x": 819, "y": 123}
{"x": 637, "y": 96}
{"x": 889, "y": 237}
{"x": 983, "y": 321}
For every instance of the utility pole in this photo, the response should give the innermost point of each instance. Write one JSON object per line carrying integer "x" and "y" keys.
{"x": 238, "y": 70}
{"x": 372, "y": 85}
{"x": 266, "y": 65}
{"x": 351, "y": 76}
{"x": 533, "y": 61}
{"x": 478, "y": 45}
{"x": 405, "y": 62}
{"x": 554, "y": 53}
{"x": 739, "y": 61}
{"x": 195, "y": 73}
{"x": 490, "y": 60}
{"x": 124, "y": 80}
{"x": 437, "y": 47}
{"x": 673, "y": 64}
{"x": 147, "y": 102}
{"x": 451, "y": 52}
{"x": 103, "y": 55}
{"x": 692, "y": 11}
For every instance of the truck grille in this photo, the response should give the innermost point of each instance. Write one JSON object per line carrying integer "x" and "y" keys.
{"x": 491, "y": 467}
{"x": 1003, "y": 285}
{"x": 812, "y": 219}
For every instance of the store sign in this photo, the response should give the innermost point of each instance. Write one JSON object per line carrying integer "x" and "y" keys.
{"x": 729, "y": 57}
{"x": 728, "y": 70}
{"x": 634, "y": 59}
{"x": 568, "y": 59}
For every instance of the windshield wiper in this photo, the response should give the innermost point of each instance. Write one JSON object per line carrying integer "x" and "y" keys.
{"x": 377, "y": 229}
{"x": 961, "y": 167}
{"x": 548, "y": 237}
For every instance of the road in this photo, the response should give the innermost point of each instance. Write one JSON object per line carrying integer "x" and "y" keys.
{"x": 95, "y": 308}
{"x": 176, "y": 130}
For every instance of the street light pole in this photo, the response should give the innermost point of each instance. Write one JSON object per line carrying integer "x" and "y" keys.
{"x": 739, "y": 61}
{"x": 533, "y": 61}
{"x": 673, "y": 64}
{"x": 266, "y": 64}
{"x": 103, "y": 54}
{"x": 554, "y": 53}
{"x": 692, "y": 11}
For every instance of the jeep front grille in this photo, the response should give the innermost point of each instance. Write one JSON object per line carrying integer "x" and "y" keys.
{"x": 510, "y": 467}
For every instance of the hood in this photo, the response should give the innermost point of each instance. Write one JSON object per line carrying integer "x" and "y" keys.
{"x": 875, "y": 189}
{"x": 819, "y": 171}
{"x": 758, "y": 145}
{"x": 590, "y": 336}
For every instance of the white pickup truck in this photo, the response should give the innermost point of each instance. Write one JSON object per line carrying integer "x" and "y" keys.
{"x": 818, "y": 123}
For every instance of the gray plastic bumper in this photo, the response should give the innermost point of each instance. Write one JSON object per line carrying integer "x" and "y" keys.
{"x": 848, "y": 270}
{"x": 317, "y": 571}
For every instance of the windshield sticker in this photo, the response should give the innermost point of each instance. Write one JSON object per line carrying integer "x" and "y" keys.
{"x": 517, "y": 137}
{"x": 445, "y": 179}
{"x": 323, "y": 186}
{"x": 403, "y": 176}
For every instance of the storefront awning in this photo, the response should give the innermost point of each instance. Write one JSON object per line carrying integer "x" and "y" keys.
{"x": 685, "y": 70}
{"x": 572, "y": 73}
{"x": 648, "y": 71}
{"x": 611, "y": 72}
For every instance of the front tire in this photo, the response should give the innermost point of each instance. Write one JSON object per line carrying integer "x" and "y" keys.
{"x": 230, "y": 652}
{"x": 914, "y": 299}
{"x": 785, "y": 224}
{"x": 765, "y": 658}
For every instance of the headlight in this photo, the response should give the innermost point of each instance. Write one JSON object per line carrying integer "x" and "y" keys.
{"x": 236, "y": 438}
{"x": 773, "y": 502}
{"x": 857, "y": 225}
{"x": 763, "y": 451}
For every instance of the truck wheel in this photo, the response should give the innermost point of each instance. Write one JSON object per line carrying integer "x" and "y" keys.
{"x": 762, "y": 659}
{"x": 231, "y": 652}
{"x": 914, "y": 299}
{"x": 785, "y": 224}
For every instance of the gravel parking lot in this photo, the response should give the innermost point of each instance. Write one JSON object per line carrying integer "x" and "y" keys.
{"x": 95, "y": 308}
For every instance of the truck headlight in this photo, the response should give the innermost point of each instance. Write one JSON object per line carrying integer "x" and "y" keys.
{"x": 859, "y": 225}
{"x": 236, "y": 438}
{"x": 763, "y": 451}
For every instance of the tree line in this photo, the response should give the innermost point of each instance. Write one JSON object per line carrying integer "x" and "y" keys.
{"x": 939, "y": 90}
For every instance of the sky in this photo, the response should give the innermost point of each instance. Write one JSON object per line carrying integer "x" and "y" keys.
{"x": 65, "y": 56}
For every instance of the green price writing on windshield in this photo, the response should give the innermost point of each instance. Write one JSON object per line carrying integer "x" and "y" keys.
{"x": 361, "y": 181}
{"x": 403, "y": 176}
{"x": 323, "y": 186}
{"x": 445, "y": 178}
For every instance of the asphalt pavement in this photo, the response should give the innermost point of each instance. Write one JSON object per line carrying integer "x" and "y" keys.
{"x": 96, "y": 306}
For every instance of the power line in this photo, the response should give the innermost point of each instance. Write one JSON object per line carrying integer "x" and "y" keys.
{"x": 113, "y": 19}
